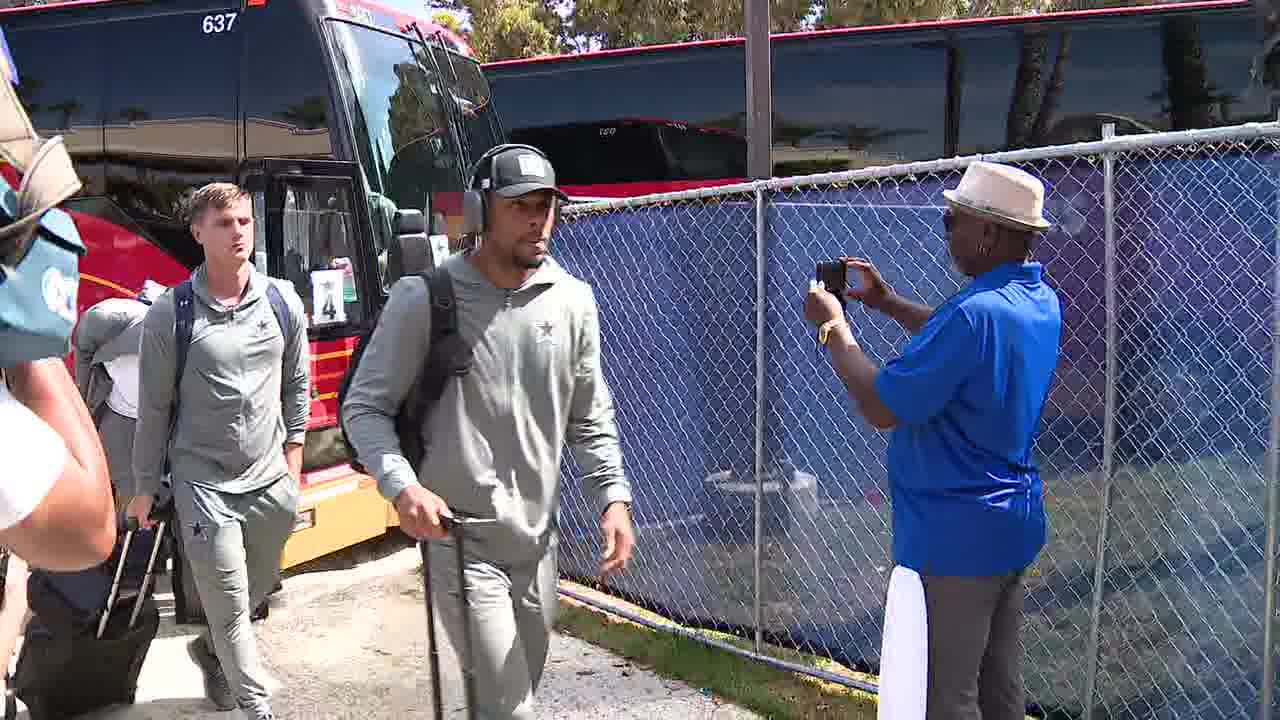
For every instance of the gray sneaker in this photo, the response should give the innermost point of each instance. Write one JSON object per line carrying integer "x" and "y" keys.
{"x": 216, "y": 686}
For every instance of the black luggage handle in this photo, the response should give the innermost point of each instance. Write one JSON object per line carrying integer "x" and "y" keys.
{"x": 455, "y": 525}
{"x": 132, "y": 526}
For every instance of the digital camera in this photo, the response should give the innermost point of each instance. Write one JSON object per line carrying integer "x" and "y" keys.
{"x": 834, "y": 276}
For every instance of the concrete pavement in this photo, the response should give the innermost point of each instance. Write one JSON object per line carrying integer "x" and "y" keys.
{"x": 351, "y": 643}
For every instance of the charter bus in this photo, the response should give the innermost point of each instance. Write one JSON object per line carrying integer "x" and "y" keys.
{"x": 342, "y": 116}
{"x": 669, "y": 117}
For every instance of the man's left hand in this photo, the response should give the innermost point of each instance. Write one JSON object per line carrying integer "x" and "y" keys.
{"x": 820, "y": 305}
{"x": 293, "y": 459}
{"x": 619, "y": 538}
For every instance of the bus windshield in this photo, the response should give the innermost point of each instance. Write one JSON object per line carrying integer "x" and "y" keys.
{"x": 412, "y": 156}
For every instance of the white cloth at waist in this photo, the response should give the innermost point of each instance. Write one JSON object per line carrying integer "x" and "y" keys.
{"x": 124, "y": 385}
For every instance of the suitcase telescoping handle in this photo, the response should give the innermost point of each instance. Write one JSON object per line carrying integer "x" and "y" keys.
{"x": 131, "y": 529}
{"x": 456, "y": 527}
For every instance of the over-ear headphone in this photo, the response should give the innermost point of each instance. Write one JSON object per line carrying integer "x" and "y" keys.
{"x": 473, "y": 199}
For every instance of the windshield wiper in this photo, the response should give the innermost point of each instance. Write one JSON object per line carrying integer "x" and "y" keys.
{"x": 491, "y": 116}
{"x": 455, "y": 113}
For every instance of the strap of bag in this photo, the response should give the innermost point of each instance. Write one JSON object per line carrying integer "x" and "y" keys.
{"x": 281, "y": 310}
{"x": 444, "y": 316}
{"x": 447, "y": 356}
{"x": 184, "y": 318}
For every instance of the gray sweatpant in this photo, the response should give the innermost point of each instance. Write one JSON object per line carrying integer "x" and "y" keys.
{"x": 116, "y": 433}
{"x": 975, "y": 659}
{"x": 234, "y": 542}
{"x": 512, "y": 608}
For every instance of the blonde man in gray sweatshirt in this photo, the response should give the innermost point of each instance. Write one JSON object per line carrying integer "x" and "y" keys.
{"x": 494, "y": 440}
{"x": 236, "y": 450}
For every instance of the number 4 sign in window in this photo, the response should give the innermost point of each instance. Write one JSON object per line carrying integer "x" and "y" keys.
{"x": 218, "y": 23}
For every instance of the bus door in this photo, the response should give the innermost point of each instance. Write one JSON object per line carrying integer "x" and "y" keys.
{"x": 313, "y": 225}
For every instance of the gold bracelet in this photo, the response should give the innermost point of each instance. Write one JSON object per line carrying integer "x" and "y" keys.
{"x": 824, "y": 332}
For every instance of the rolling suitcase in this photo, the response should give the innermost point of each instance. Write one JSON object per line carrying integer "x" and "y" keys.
{"x": 73, "y": 662}
{"x": 456, "y": 527}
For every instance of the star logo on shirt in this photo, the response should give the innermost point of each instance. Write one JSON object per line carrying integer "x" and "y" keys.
{"x": 262, "y": 327}
{"x": 545, "y": 328}
{"x": 198, "y": 531}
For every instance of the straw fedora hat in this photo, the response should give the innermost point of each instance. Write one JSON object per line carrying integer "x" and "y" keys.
{"x": 1002, "y": 194}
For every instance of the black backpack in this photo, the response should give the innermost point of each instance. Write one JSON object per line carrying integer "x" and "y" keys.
{"x": 448, "y": 356}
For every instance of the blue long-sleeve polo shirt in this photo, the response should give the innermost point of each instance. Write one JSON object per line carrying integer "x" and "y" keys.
{"x": 968, "y": 392}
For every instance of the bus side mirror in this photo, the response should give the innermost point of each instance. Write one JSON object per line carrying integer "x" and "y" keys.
{"x": 410, "y": 251}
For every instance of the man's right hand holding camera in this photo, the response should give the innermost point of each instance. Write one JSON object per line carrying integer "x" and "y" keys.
{"x": 420, "y": 511}
{"x": 876, "y": 294}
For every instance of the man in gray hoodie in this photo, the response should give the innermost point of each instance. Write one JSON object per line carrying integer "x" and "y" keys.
{"x": 108, "y": 339}
{"x": 494, "y": 440}
{"x": 236, "y": 451}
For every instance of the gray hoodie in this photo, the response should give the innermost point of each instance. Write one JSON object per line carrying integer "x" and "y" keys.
{"x": 245, "y": 391}
{"x": 110, "y": 329}
{"x": 494, "y": 442}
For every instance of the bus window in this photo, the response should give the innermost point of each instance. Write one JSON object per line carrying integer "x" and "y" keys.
{"x": 700, "y": 154}
{"x": 600, "y": 153}
{"x": 167, "y": 133}
{"x": 62, "y": 91}
{"x": 1056, "y": 84}
{"x": 882, "y": 103}
{"x": 286, "y": 95}
{"x": 319, "y": 249}
{"x": 402, "y": 129}
{"x": 711, "y": 91}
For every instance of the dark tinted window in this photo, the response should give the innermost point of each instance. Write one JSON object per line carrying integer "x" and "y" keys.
{"x": 1054, "y": 84}
{"x": 62, "y": 76}
{"x": 846, "y": 103}
{"x": 286, "y": 93}
{"x": 592, "y": 154}
{"x": 598, "y": 122}
{"x": 701, "y": 154}
{"x": 701, "y": 86}
{"x": 170, "y": 114}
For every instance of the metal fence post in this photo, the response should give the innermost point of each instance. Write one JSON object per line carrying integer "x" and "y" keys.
{"x": 1266, "y": 696}
{"x": 1108, "y": 427}
{"x": 761, "y": 246}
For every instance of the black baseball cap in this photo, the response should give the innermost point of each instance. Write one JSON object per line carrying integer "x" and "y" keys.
{"x": 518, "y": 171}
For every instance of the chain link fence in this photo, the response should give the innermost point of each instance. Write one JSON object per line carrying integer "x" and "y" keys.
{"x": 762, "y": 498}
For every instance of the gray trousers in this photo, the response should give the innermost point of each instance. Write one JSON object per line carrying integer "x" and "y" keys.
{"x": 116, "y": 433}
{"x": 975, "y": 659}
{"x": 234, "y": 543}
{"x": 512, "y": 609}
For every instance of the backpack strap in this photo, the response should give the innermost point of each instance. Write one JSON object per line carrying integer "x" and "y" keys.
{"x": 184, "y": 315}
{"x": 448, "y": 356}
{"x": 281, "y": 310}
{"x": 444, "y": 316}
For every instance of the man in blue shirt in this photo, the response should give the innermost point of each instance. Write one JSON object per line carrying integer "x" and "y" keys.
{"x": 964, "y": 401}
